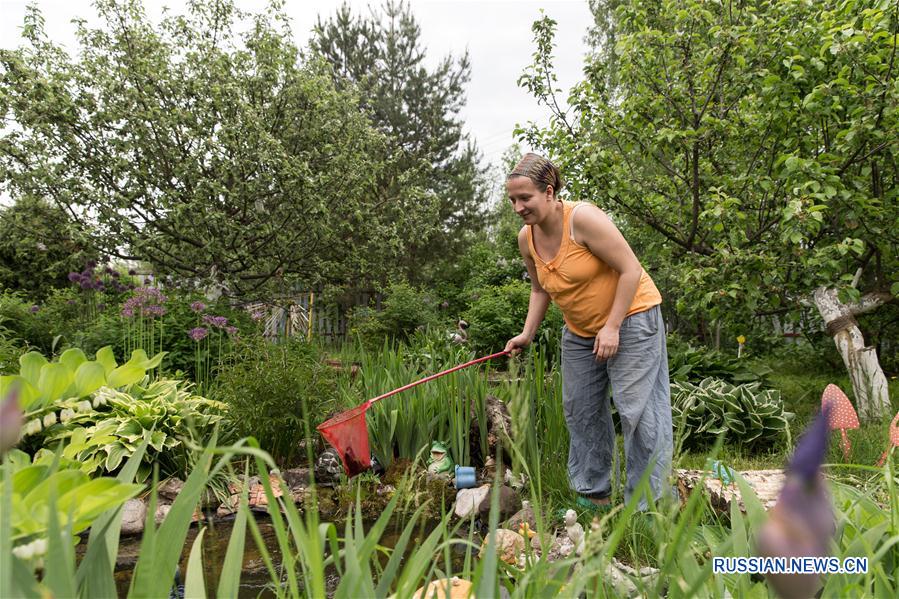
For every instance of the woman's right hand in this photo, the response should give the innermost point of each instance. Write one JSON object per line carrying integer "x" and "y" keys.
{"x": 517, "y": 343}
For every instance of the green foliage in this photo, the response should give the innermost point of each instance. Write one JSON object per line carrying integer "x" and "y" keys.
{"x": 22, "y": 324}
{"x": 266, "y": 387}
{"x": 404, "y": 310}
{"x": 163, "y": 412}
{"x": 213, "y": 115}
{"x": 747, "y": 151}
{"x": 693, "y": 364}
{"x": 415, "y": 102}
{"x": 497, "y": 313}
{"x": 39, "y": 245}
{"x": 43, "y": 385}
{"x": 713, "y": 408}
{"x": 52, "y": 482}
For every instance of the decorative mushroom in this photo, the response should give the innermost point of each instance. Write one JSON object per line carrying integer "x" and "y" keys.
{"x": 894, "y": 439}
{"x": 841, "y": 415}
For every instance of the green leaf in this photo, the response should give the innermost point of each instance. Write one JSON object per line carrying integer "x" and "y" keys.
{"x": 89, "y": 377}
{"x": 54, "y": 380}
{"x": 128, "y": 373}
{"x": 229, "y": 579}
{"x": 194, "y": 584}
{"x": 107, "y": 359}
{"x": 30, "y": 367}
{"x": 28, "y": 394}
{"x": 73, "y": 358}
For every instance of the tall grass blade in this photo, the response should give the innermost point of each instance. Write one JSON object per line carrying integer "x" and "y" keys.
{"x": 194, "y": 584}
{"x": 59, "y": 573}
{"x": 229, "y": 580}
{"x": 94, "y": 577}
{"x": 155, "y": 569}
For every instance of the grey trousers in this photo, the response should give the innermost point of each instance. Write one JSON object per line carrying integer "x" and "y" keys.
{"x": 638, "y": 375}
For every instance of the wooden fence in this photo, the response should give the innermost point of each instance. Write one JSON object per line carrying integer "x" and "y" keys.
{"x": 305, "y": 314}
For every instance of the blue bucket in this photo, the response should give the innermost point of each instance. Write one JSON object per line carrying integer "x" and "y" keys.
{"x": 465, "y": 477}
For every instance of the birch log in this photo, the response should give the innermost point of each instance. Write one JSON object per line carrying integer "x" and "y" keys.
{"x": 868, "y": 381}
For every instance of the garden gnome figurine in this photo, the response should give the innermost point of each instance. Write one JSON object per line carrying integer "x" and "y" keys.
{"x": 802, "y": 522}
{"x": 841, "y": 415}
{"x": 439, "y": 463}
{"x": 575, "y": 531}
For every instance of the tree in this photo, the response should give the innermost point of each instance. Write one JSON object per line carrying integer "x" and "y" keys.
{"x": 417, "y": 108}
{"x": 750, "y": 149}
{"x": 214, "y": 156}
{"x": 39, "y": 246}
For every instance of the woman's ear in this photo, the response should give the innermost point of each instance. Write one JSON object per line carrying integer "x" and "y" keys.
{"x": 550, "y": 191}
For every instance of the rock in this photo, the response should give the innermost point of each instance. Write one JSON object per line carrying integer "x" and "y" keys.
{"x": 525, "y": 514}
{"x": 509, "y": 545}
{"x": 296, "y": 477}
{"x": 163, "y": 509}
{"x": 458, "y": 589}
{"x": 468, "y": 500}
{"x": 229, "y": 506}
{"x": 509, "y": 503}
{"x": 561, "y": 548}
{"x": 208, "y": 499}
{"x": 170, "y": 489}
{"x": 134, "y": 515}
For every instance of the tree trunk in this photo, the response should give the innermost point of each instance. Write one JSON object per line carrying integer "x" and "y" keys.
{"x": 868, "y": 381}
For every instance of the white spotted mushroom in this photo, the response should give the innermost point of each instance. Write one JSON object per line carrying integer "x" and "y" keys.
{"x": 841, "y": 415}
{"x": 894, "y": 439}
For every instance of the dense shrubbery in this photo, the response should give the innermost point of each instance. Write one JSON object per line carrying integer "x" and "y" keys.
{"x": 690, "y": 363}
{"x": 404, "y": 309}
{"x": 271, "y": 388}
{"x": 497, "y": 313}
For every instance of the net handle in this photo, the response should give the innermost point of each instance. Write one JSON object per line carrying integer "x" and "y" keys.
{"x": 434, "y": 376}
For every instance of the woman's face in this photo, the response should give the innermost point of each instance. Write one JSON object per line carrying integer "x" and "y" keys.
{"x": 531, "y": 204}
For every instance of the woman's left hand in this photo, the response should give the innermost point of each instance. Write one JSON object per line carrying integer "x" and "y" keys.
{"x": 606, "y": 343}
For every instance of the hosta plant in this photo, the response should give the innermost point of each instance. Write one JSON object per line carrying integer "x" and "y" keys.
{"x": 744, "y": 414}
{"x": 164, "y": 412}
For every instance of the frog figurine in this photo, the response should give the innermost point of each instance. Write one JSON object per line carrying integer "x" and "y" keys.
{"x": 440, "y": 463}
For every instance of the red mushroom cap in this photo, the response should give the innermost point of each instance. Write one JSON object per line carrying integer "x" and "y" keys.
{"x": 842, "y": 415}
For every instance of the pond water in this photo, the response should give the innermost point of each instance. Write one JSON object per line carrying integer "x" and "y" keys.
{"x": 254, "y": 580}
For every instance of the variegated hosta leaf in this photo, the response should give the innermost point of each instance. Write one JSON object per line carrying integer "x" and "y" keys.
{"x": 745, "y": 413}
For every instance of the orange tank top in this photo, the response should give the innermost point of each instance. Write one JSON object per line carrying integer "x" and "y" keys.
{"x": 584, "y": 286}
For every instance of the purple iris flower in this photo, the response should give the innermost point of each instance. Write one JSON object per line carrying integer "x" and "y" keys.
{"x": 802, "y": 522}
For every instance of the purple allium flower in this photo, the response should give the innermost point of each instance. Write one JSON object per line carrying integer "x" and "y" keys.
{"x": 114, "y": 274}
{"x": 198, "y": 306}
{"x": 86, "y": 284}
{"x": 33, "y": 309}
{"x": 153, "y": 310}
{"x": 92, "y": 264}
{"x": 802, "y": 522}
{"x": 258, "y": 315}
{"x": 198, "y": 333}
{"x": 132, "y": 272}
{"x": 127, "y": 312}
{"x": 74, "y": 277}
{"x": 218, "y": 322}
{"x": 70, "y": 302}
{"x": 231, "y": 330}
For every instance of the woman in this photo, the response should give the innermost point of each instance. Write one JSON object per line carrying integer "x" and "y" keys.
{"x": 613, "y": 335}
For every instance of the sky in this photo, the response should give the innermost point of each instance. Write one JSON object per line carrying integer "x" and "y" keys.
{"x": 497, "y": 35}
